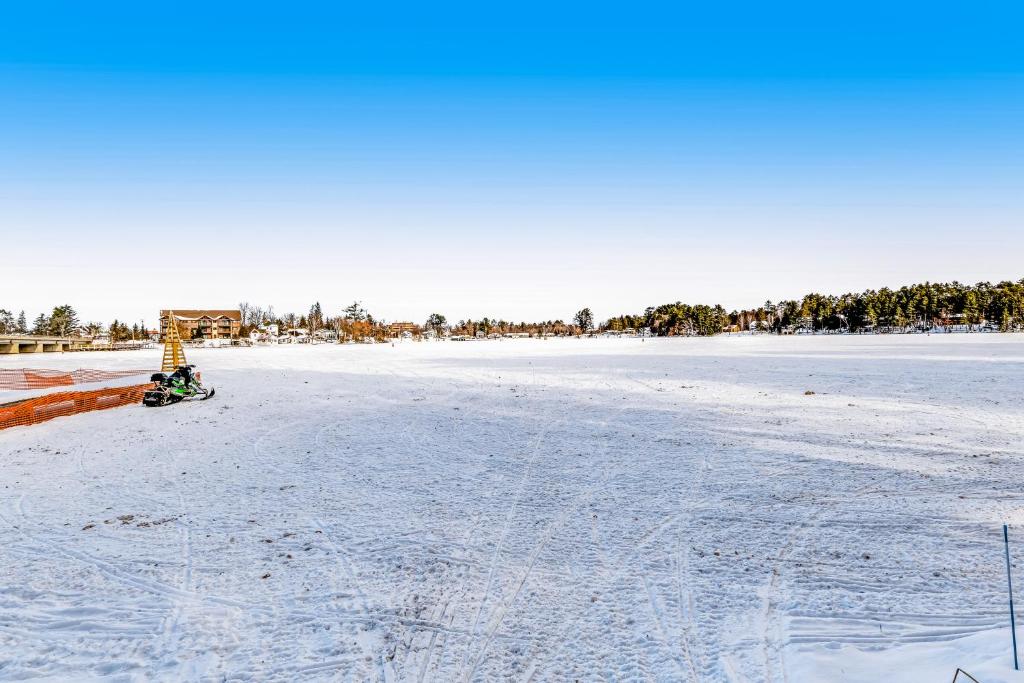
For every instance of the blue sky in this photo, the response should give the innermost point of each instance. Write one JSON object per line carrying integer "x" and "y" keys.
{"x": 518, "y": 162}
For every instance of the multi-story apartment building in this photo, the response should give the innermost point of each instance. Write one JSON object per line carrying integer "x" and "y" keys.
{"x": 204, "y": 324}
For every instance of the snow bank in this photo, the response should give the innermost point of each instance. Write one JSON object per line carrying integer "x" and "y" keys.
{"x": 986, "y": 656}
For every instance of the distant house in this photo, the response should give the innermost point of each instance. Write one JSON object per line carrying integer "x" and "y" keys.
{"x": 204, "y": 324}
{"x": 955, "y": 322}
{"x": 398, "y": 329}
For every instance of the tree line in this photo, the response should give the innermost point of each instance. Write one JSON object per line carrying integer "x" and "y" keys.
{"x": 912, "y": 307}
{"x": 921, "y": 306}
{"x": 63, "y": 321}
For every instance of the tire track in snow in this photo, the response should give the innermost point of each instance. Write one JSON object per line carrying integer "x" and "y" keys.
{"x": 171, "y": 632}
{"x": 684, "y": 664}
{"x": 620, "y": 570}
{"x": 602, "y": 484}
{"x": 610, "y": 579}
{"x": 430, "y": 643}
{"x": 363, "y": 614}
{"x": 503, "y": 608}
{"x": 527, "y": 472}
{"x": 686, "y": 617}
{"x": 168, "y": 592}
{"x": 685, "y": 607}
{"x": 151, "y": 586}
{"x": 772, "y": 625}
{"x": 458, "y": 424}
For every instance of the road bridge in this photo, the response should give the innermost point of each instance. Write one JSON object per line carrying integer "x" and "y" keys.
{"x": 27, "y": 343}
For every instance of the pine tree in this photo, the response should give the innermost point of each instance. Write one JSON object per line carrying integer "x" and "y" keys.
{"x": 22, "y": 324}
{"x": 63, "y": 321}
{"x": 971, "y": 308}
{"x": 41, "y": 325}
{"x": 584, "y": 319}
{"x": 436, "y": 322}
{"x": 315, "y": 318}
{"x": 355, "y": 312}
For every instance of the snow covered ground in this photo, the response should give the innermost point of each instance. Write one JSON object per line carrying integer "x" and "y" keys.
{"x": 617, "y": 509}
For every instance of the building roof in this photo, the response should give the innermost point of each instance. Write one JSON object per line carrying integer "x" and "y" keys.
{"x": 195, "y": 314}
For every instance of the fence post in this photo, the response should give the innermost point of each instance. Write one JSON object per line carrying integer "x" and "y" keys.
{"x": 1009, "y": 586}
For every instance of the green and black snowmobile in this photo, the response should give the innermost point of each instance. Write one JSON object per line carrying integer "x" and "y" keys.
{"x": 181, "y": 384}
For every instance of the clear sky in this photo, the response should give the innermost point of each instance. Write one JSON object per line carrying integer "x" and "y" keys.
{"x": 511, "y": 160}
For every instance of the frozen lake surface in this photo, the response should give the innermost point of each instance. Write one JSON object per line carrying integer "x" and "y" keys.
{"x": 593, "y": 509}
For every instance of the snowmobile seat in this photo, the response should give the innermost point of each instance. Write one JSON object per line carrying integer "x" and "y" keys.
{"x": 158, "y": 377}
{"x": 184, "y": 372}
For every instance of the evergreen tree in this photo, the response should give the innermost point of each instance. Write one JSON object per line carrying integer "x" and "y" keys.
{"x": 7, "y": 324}
{"x": 436, "y": 322}
{"x": 41, "y": 325}
{"x": 971, "y": 308}
{"x": 315, "y": 317}
{"x": 355, "y": 312}
{"x": 63, "y": 321}
{"x": 584, "y": 319}
{"x": 22, "y": 324}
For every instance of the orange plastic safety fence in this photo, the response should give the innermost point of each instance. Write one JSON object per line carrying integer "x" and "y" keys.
{"x": 26, "y": 378}
{"x": 42, "y": 408}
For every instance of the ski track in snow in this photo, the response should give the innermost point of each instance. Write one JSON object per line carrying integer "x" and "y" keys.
{"x": 670, "y": 510}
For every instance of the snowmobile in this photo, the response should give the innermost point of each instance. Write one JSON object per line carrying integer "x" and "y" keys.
{"x": 181, "y": 384}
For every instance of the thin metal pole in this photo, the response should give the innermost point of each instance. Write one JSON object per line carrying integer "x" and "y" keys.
{"x": 1009, "y": 585}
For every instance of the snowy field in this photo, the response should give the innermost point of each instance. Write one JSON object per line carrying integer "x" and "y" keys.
{"x": 595, "y": 509}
